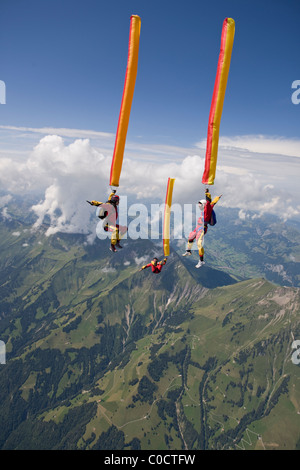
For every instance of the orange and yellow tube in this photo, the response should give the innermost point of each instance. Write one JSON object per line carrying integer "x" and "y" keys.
{"x": 216, "y": 108}
{"x": 128, "y": 91}
{"x": 166, "y": 226}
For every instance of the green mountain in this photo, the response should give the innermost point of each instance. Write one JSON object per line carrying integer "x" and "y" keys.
{"x": 254, "y": 247}
{"x": 102, "y": 356}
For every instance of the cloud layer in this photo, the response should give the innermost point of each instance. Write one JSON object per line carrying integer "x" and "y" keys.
{"x": 255, "y": 173}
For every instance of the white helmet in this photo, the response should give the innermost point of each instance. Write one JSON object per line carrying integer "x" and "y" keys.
{"x": 202, "y": 203}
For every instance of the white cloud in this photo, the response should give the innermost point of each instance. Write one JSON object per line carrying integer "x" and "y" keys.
{"x": 242, "y": 214}
{"x": 261, "y": 144}
{"x": 63, "y": 132}
{"x": 4, "y": 200}
{"x": 141, "y": 260}
{"x": 108, "y": 270}
{"x": 69, "y": 173}
{"x": 5, "y": 214}
{"x": 76, "y": 173}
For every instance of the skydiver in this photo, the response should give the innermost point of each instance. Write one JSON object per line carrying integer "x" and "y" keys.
{"x": 155, "y": 265}
{"x": 109, "y": 213}
{"x": 207, "y": 216}
{"x": 198, "y": 235}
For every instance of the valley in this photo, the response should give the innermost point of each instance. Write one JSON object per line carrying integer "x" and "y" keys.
{"x": 103, "y": 356}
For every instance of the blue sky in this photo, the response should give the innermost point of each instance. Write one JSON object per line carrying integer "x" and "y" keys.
{"x": 64, "y": 61}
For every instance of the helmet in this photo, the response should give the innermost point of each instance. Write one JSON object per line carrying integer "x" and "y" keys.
{"x": 202, "y": 202}
{"x": 115, "y": 199}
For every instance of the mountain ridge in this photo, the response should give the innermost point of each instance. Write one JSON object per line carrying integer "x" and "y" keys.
{"x": 102, "y": 356}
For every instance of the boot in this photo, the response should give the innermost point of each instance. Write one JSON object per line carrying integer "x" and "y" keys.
{"x": 199, "y": 264}
{"x": 187, "y": 253}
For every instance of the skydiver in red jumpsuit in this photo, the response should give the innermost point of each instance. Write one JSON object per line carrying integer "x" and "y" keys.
{"x": 206, "y": 217}
{"x": 155, "y": 265}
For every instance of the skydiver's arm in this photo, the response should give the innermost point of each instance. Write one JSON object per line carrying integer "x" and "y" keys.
{"x": 146, "y": 266}
{"x": 112, "y": 194}
{"x": 95, "y": 203}
{"x": 163, "y": 261}
{"x": 216, "y": 200}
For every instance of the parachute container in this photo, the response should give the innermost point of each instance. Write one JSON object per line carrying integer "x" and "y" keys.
{"x": 128, "y": 91}
{"x": 166, "y": 227}
{"x": 216, "y": 108}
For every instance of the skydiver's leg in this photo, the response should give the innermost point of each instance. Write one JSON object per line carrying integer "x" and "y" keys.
{"x": 121, "y": 232}
{"x": 191, "y": 239}
{"x": 201, "y": 252}
{"x": 113, "y": 239}
{"x": 114, "y": 236}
